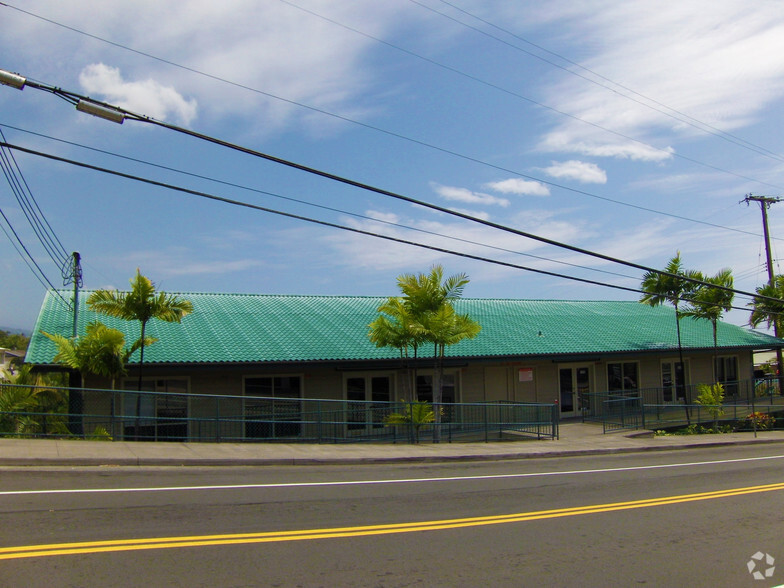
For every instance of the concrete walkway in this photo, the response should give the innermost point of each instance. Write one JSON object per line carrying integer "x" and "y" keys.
{"x": 575, "y": 439}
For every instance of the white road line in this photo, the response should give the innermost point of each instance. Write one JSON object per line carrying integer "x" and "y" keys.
{"x": 395, "y": 481}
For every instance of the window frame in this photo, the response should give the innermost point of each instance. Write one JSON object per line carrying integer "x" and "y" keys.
{"x": 267, "y": 425}
{"x": 624, "y": 390}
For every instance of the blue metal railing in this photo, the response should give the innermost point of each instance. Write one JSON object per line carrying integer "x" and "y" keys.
{"x": 159, "y": 416}
{"x": 645, "y": 409}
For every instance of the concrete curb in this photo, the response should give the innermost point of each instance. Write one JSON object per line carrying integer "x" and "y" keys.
{"x": 194, "y": 461}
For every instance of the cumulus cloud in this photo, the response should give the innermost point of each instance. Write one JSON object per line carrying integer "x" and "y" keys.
{"x": 467, "y": 196}
{"x": 587, "y": 173}
{"x": 519, "y": 187}
{"x": 145, "y": 97}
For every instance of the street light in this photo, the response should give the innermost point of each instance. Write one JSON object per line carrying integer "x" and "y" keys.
{"x": 100, "y": 111}
{"x": 11, "y": 79}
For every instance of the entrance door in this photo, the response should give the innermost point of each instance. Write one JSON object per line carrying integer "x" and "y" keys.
{"x": 362, "y": 392}
{"x": 575, "y": 387}
{"x": 675, "y": 379}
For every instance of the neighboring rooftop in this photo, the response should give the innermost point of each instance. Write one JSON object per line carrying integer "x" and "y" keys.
{"x": 276, "y": 328}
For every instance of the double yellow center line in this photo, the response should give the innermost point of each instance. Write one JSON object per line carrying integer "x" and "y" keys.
{"x": 27, "y": 551}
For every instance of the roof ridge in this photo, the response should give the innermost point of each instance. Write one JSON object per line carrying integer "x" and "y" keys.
{"x": 362, "y": 296}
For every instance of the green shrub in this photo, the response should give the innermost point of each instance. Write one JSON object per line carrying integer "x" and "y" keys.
{"x": 415, "y": 415}
{"x": 99, "y": 434}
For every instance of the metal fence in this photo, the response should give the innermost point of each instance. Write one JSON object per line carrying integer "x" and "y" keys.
{"x": 644, "y": 409}
{"x": 158, "y": 416}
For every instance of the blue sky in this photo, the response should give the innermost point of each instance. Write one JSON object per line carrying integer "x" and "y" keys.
{"x": 561, "y": 119}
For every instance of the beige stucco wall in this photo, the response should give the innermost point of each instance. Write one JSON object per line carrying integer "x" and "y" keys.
{"x": 487, "y": 381}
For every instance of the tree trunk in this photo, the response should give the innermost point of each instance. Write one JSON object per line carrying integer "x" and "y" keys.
{"x": 139, "y": 396}
{"x": 686, "y": 394}
{"x": 414, "y": 391}
{"x": 715, "y": 353}
{"x": 437, "y": 396}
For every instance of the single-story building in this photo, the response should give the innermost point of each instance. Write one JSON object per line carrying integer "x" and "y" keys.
{"x": 317, "y": 347}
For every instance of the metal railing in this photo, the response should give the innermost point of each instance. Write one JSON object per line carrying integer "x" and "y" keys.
{"x": 644, "y": 409}
{"x": 159, "y": 416}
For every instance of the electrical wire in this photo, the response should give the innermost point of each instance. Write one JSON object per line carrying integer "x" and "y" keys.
{"x": 681, "y": 116}
{"x": 28, "y": 258}
{"x": 399, "y": 135}
{"x": 73, "y": 97}
{"x": 521, "y": 97}
{"x": 30, "y": 207}
{"x": 377, "y": 235}
{"x": 312, "y": 204}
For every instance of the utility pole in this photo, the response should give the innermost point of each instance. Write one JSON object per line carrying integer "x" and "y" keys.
{"x": 75, "y": 276}
{"x": 75, "y": 400}
{"x": 765, "y": 202}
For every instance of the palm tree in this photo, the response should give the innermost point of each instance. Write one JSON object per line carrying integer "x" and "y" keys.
{"x": 428, "y": 298}
{"x": 669, "y": 286}
{"x": 711, "y": 303}
{"x": 101, "y": 351}
{"x": 415, "y": 415}
{"x": 394, "y": 327}
{"x": 33, "y": 392}
{"x": 769, "y": 308}
{"x": 141, "y": 304}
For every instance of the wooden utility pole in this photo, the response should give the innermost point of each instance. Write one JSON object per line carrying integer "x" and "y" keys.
{"x": 765, "y": 202}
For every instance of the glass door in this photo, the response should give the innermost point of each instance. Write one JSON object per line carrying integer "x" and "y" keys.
{"x": 674, "y": 381}
{"x": 575, "y": 387}
{"x": 362, "y": 392}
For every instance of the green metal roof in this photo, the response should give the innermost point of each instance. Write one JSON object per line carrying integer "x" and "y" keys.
{"x": 229, "y": 328}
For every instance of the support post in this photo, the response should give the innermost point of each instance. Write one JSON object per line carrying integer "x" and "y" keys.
{"x": 765, "y": 202}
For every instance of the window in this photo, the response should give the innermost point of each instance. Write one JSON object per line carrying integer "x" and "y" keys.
{"x": 272, "y": 407}
{"x": 424, "y": 390}
{"x": 448, "y": 388}
{"x": 361, "y": 392}
{"x": 622, "y": 376}
{"x": 727, "y": 374}
{"x": 151, "y": 416}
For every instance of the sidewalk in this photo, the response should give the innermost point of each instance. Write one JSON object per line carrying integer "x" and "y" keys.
{"x": 575, "y": 439}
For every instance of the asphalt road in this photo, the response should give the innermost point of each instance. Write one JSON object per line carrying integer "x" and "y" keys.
{"x": 682, "y": 518}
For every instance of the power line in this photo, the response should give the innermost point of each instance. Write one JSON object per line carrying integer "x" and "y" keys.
{"x": 681, "y": 116}
{"x": 119, "y": 115}
{"x": 27, "y": 257}
{"x": 390, "y": 238}
{"x": 307, "y": 203}
{"x": 400, "y": 136}
{"x": 30, "y": 207}
{"x": 500, "y": 168}
{"x": 517, "y": 95}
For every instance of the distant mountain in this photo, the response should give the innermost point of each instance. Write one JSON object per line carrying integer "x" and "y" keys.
{"x": 15, "y": 330}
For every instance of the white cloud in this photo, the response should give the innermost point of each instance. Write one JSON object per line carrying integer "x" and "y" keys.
{"x": 574, "y": 139}
{"x": 351, "y": 249}
{"x": 467, "y": 196}
{"x": 520, "y": 187}
{"x": 265, "y": 50}
{"x": 587, "y": 173}
{"x": 718, "y": 61}
{"x": 145, "y": 97}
